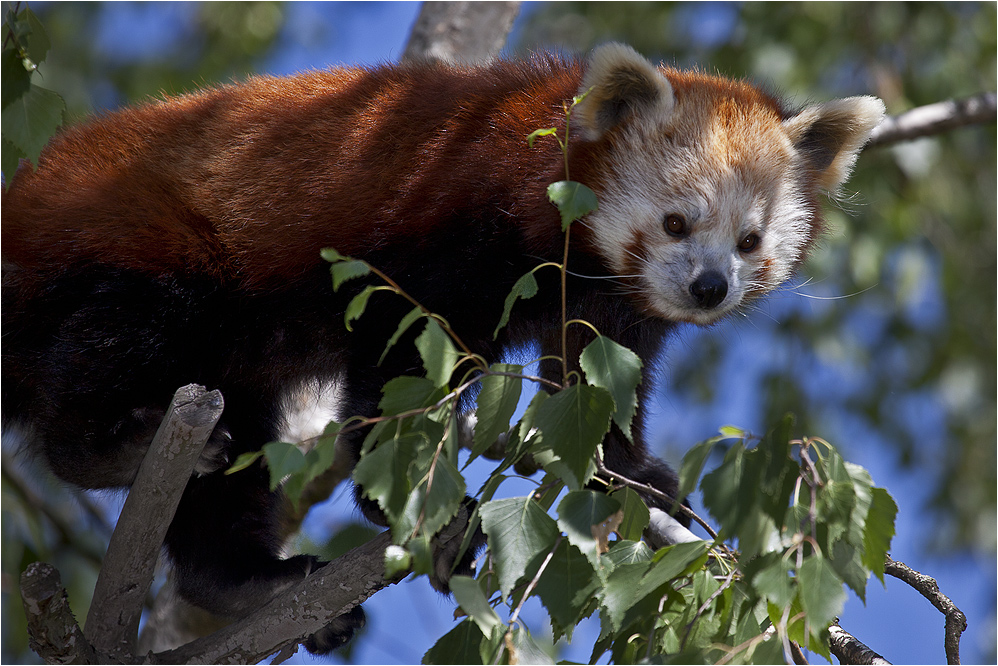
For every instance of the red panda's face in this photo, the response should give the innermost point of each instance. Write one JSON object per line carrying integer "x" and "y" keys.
{"x": 708, "y": 194}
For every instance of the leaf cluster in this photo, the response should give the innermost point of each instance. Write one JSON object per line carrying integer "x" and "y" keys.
{"x": 29, "y": 113}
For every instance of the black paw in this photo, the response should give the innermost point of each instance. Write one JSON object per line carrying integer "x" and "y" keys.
{"x": 447, "y": 557}
{"x": 215, "y": 455}
{"x": 337, "y": 633}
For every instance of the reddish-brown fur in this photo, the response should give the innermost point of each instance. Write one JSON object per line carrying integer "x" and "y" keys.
{"x": 245, "y": 182}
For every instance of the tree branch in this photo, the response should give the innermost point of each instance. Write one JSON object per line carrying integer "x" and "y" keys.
{"x": 934, "y": 119}
{"x": 113, "y": 621}
{"x": 460, "y": 32}
{"x": 53, "y": 632}
{"x": 956, "y": 621}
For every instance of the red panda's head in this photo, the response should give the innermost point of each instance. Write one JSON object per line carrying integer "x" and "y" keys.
{"x": 708, "y": 189}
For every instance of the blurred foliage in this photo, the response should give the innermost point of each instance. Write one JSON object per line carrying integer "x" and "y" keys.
{"x": 913, "y": 342}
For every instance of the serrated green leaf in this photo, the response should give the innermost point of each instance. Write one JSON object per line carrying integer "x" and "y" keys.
{"x": 36, "y": 42}
{"x": 472, "y": 601}
{"x": 408, "y": 320}
{"x": 405, "y": 393}
{"x": 437, "y": 499}
{"x": 820, "y": 591}
{"x": 330, "y": 254}
{"x": 15, "y": 80}
{"x": 527, "y": 649}
{"x": 636, "y": 515}
{"x": 578, "y": 513}
{"x": 567, "y": 584}
{"x": 383, "y": 473}
{"x": 620, "y": 592}
{"x": 673, "y": 561}
{"x": 693, "y": 463}
{"x": 348, "y": 269}
{"x": 847, "y": 561}
{"x": 282, "y": 459}
{"x": 628, "y": 552}
{"x": 461, "y": 645}
{"x": 517, "y": 530}
{"x": 573, "y": 200}
{"x": 30, "y": 119}
{"x": 770, "y": 575}
{"x": 617, "y": 369}
{"x": 879, "y": 531}
{"x": 438, "y": 353}
{"x": 525, "y": 287}
{"x": 357, "y": 306}
{"x": 573, "y": 422}
{"x": 497, "y": 403}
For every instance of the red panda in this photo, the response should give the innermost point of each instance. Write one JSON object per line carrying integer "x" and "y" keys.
{"x": 178, "y": 241}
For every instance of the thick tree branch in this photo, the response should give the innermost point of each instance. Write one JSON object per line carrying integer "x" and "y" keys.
{"x": 934, "y": 119}
{"x": 460, "y": 32}
{"x": 113, "y": 621}
{"x": 956, "y": 621}
{"x": 53, "y": 632}
{"x": 850, "y": 650}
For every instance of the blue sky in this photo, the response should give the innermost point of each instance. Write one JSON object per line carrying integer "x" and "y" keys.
{"x": 404, "y": 619}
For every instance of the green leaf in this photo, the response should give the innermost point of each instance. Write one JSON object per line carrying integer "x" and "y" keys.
{"x": 770, "y": 575}
{"x": 348, "y": 269}
{"x": 472, "y": 601}
{"x": 820, "y": 591}
{"x": 243, "y": 461}
{"x": 382, "y": 473}
{"x": 436, "y": 498}
{"x": 403, "y": 394}
{"x": 636, "y": 514}
{"x": 573, "y": 422}
{"x": 517, "y": 530}
{"x": 438, "y": 353}
{"x": 692, "y": 467}
{"x": 619, "y": 593}
{"x": 548, "y": 131}
{"x": 497, "y": 403}
{"x": 357, "y": 306}
{"x": 525, "y": 287}
{"x": 572, "y": 199}
{"x": 282, "y": 459}
{"x": 464, "y": 644}
{"x": 673, "y": 561}
{"x": 567, "y": 584}
{"x": 408, "y": 320}
{"x": 578, "y": 513}
{"x": 330, "y": 254}
{"x": 527, "y": 650}
{"x": 15, "y": 80}
{"x": 628, "y": 552}
{"x": 617, "y": 369}
{"x": 36, "y": 42}
{"x": 879, "y": 531}
{"x": 847, "y": 561}
{"x": 30, "y": 119}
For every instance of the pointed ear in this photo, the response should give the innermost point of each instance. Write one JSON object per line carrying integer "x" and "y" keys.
{"x": 620, "y": 84}
{"x": 829, "y": 136}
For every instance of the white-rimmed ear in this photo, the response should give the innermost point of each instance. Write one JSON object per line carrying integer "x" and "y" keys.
{"x": 829, "y": 136}
{"x": 621, "y": 84}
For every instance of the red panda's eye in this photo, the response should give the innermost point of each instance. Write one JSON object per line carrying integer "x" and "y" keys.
{"x": 675, "y": 225}
{"x": 749, "y": 243}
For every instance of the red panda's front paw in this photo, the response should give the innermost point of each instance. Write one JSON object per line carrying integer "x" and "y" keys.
{"x": 215, "y": 455}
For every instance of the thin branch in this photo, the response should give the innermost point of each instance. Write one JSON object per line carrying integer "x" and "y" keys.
{"x": 113, "y": 621}
{"x": 956, "y": 621}
{"x": 850, "y": 650}
{"x": 935, "y": 119}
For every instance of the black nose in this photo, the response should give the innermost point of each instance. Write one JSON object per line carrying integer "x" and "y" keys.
{"x": 709, "y": 289}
